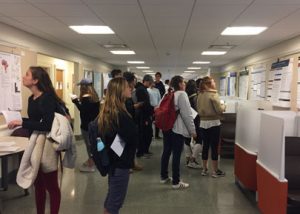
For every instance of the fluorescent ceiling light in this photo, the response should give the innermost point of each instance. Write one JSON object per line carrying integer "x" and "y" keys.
{"x": 151, "y": 73}
{"x": 189, "y": 71}
{"x": 148, "y": 71}
{"x": 135, "y": 62}
{"x": 92, "y": 29}
{"x": 123, "y": 52}
{"x": 142, "y": 67}
{"x": 201, "y": 62}
{"x": 213, "y": 52}
{"x": 243, "y": 31}
{"x": 194, "y": 68}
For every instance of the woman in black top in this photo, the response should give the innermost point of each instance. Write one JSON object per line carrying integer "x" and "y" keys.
{"x": 115, "y": 120}
{"x": 41, "y": 107}
{"x": 88, "y": 104}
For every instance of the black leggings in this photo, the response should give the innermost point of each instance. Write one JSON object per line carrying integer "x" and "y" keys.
{"x": 211, "y": 138}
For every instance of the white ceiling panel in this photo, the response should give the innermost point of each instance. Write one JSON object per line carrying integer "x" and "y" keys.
{"x": 20, "y": 9}
{"x": 155, "y": 29}
{"x": 264, "y": 14}
{"x": 77, "y": 10}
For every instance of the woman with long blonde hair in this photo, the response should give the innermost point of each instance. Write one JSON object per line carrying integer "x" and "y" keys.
{"x": 115, "y": 121}
{"x": 88, "y": 105}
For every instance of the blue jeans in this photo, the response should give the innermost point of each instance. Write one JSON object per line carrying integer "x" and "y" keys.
{"x": 117, "y": 189}
{"x": 173, "y": 144}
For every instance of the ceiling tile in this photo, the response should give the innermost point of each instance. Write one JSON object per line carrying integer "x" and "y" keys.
{"x": 20, "y": 9}
{"x": 75, "y": 10}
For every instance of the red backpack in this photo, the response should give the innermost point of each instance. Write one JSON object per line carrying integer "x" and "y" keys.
{"x": 166, "y": 114}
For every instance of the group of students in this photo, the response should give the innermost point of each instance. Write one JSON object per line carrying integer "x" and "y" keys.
{"x": 127, "y": 110}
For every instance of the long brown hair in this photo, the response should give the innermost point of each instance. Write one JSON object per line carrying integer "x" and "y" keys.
{"x": 44, "y": 83}
{"x": 114, "y": 103}
{"x": 89, "y": 90}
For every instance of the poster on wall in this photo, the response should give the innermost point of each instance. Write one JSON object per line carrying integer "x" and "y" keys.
{"x": 279, "y": 83}
{"x": 258, "y": 82}
{"x": 298, "y": 86}
{"x": 106, "y": 79}
{"x": 88, "y": 74}
{"x": 231, "y": 84}
{"x": 10, "y": 82}
{"x": 243, "y": 84}
{"x": 223, "y": 86}
{"x": 97, "y": 83}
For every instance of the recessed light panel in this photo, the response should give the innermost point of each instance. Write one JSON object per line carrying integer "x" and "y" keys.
{"x": 123, "y": 52}
{"x": 91, "y": 29}
{"x": 194, "y": 68}
{"x": 142, "y": 67}
{"x": 243, "y": 31}
{"x": 135, "y": 62}
{"x": 201, "y": 62}
{"x": 213, "y": 52}
{"x": 189, "y": 71}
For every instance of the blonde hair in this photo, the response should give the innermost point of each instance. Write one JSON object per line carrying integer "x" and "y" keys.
{"x": 114, "y": 104}
{"x": 206, "y": 83}
{"x": 89, "y": 89}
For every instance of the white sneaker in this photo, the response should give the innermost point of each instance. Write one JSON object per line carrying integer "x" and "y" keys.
{"x": 85, "y": 168}
{"x": 180, "y": 185}
{"x": 194, "y": 165}
{"x": 166, "y": 181}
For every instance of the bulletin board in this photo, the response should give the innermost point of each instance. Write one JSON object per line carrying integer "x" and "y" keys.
{"x": 10, "y": 82}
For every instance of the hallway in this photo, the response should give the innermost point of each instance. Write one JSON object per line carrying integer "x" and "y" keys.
{"x": 84, "y": 193}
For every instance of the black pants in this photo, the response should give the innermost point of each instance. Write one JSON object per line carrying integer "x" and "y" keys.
{"x": 211, "y": 138}
{"x": 145, "y": 138}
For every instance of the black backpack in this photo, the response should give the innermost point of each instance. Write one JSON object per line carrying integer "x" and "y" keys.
{"x": 100, "y": 158}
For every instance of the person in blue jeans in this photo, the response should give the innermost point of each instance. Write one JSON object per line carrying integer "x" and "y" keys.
{"x": 174, "y": 139}
{"x": 114, "y": 119}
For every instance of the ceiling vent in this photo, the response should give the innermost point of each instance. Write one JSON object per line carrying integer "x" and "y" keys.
{"x": 221, "y": 47}
{"x": 114, "y": 46}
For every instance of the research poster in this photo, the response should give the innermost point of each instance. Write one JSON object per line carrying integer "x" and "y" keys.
{"x": 279, "y": 83}
{"x": 10, "y": 82}
{"x": 243, "y": 85}
{"x": 97, "y": 83}
{"x": 258, "y": 82}
{"x": 223, "y": 86}
{"x": 298, "y": 86}
{"x": 231, "y": 84}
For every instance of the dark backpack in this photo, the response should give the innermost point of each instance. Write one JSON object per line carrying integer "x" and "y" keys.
{"x": 166, "y": 114}
{"x": 100, "y": 158}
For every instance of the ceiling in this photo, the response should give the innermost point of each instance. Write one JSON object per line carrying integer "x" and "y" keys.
{"x": 167, "y": 34}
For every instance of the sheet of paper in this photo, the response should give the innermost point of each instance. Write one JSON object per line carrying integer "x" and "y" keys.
{"x": 194, "y": 113}
{"x": 118, "y": 145}
{"x": 9, "y": 148}
{"x": 6, "y": 144}
{"x": 11, "y": 115}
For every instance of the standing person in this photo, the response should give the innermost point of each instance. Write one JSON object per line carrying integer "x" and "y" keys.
{"x": 155, "y": 98}
{"x": 144, "y": 117}
{"x": 131, "y": 106}
{"x": 115, "y": 120}
{"x": 167, "y": 82}
{"x": 210, "y": 110}
{"x": 116, "y": 73}
{"x": 159, "y": 84}
{"x": 192, "y": 154}
{"x": 174, "y": 139}
{"x": 88, "y": 105}
{"x": 41, "y": 107}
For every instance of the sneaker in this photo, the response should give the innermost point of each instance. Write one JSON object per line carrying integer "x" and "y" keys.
{"x": 180, "y": 185}
{"x": 204, "y": 172}
{"x": 218, "y": 174}
{"x": 166, "y": 180}
{"x": 194, "y": 165}
{"x": 85, "y": 168}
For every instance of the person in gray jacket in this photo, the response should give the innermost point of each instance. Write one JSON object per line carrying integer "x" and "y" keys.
{"x": 174, "y": 139}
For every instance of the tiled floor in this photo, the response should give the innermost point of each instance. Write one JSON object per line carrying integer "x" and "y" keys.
{"x": 84, "y": 193}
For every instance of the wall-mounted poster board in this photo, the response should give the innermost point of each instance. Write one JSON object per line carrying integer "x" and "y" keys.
{"x": 243, "y": 84}
{"x": 298, "y": 85}
{"x": 10, "y": 82}
{"x": 88, "y": 74}
{"x": 106, "y": 79}
{"x": 231, "y": 84}
{"x": 223, "y": 86}
{"x": 279, "y": 83}
{"x": 97, "y": 83}
{"x": 258, "y": 82}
